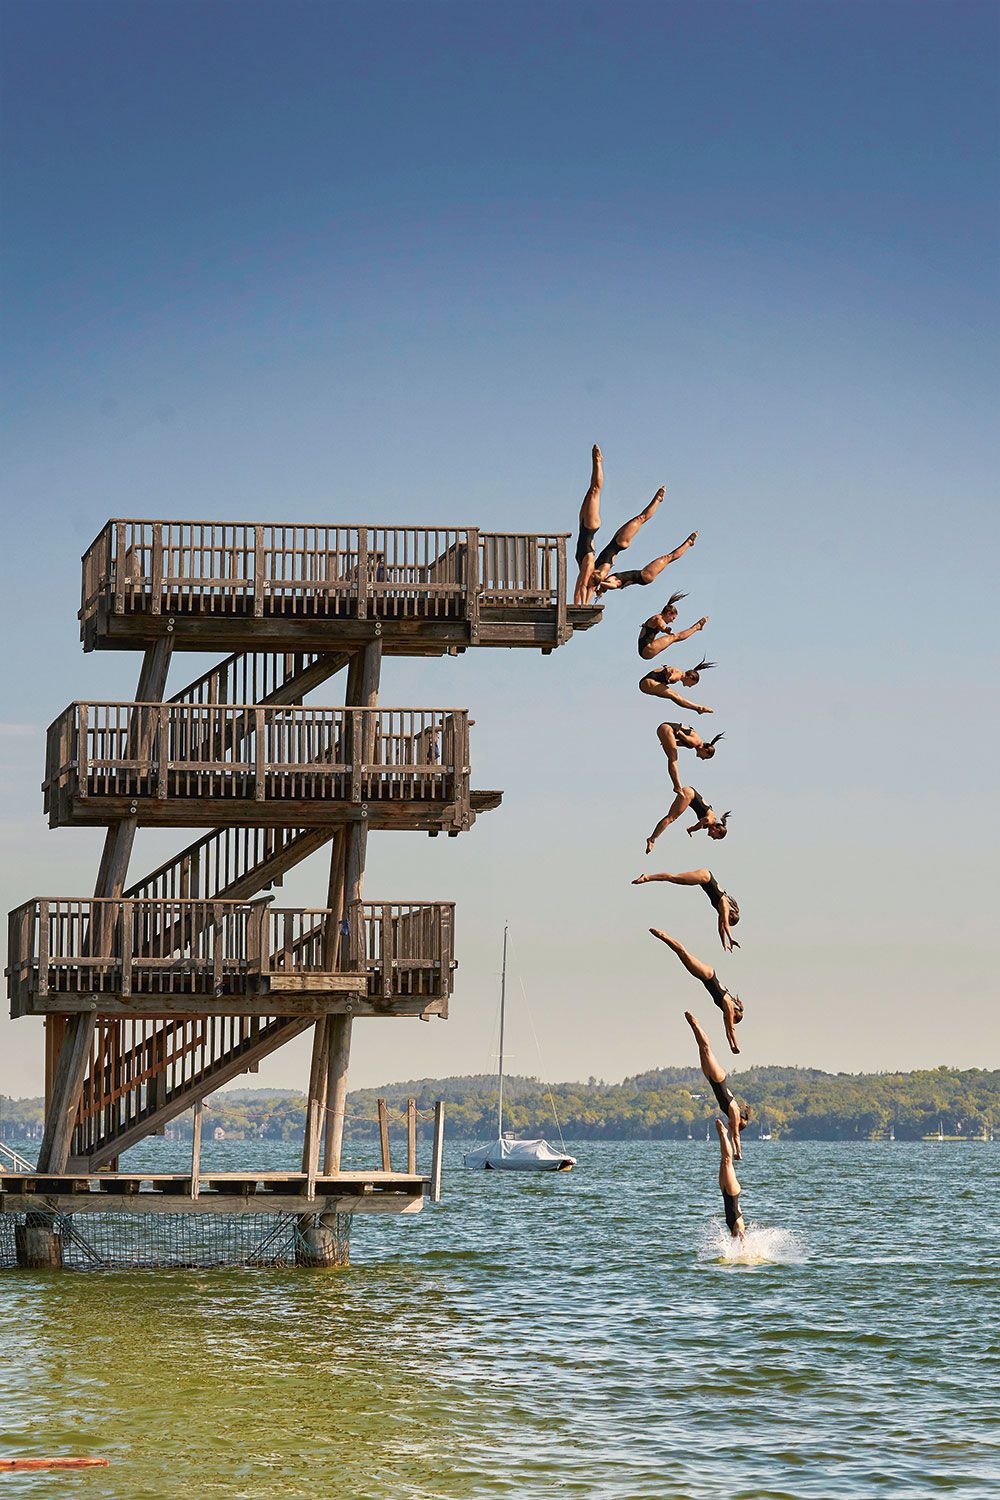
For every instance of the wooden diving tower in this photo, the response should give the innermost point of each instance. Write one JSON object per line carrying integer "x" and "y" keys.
{"x": 155, "y": 991}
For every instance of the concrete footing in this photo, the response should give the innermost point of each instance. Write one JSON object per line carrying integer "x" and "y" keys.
{"x": 324, "y": 1240}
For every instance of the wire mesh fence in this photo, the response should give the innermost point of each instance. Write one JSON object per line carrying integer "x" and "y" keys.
{"x": 124, "y": 1241}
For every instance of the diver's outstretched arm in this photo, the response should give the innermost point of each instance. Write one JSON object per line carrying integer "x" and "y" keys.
{"x": 694, "y": 966}
{"x": 725, "y": 931}
{"x": 678, "y": 807}
{"x": 654, "y": 687}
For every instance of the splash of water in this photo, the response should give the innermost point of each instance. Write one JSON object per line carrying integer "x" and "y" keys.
{"x": 760, "y": 1246}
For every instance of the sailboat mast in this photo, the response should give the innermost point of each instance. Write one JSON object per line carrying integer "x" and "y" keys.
{"x": 503, "y": 1015}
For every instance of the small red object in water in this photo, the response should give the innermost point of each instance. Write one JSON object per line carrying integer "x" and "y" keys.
{"x": 53, "y": 1463}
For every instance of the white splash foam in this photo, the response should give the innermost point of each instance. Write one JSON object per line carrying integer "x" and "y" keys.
{"x": 760, "y": 1246}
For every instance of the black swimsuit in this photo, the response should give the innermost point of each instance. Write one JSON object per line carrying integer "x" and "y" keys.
{"x": 700, "y": 806}
{"x": 714, "y": 891}
{"x": 723, "y": 1094}
{"x": 585, "y": 544}
{"x": 717, "y": 991}
{"x": 647, "y": 635}
{"x": 609, "y": 553}
{"x": 731, "y": 1201}
{"x": 632, "y": 575}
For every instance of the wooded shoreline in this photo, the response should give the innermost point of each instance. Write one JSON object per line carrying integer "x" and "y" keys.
{"x": 665, "y": 1104}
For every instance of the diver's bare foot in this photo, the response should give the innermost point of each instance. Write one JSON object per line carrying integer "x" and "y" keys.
{"x": 649, "y": 845}
{"x": 597, "y": 469}
{"x": 654, "y": 504}
{"x": 720, "y": 1127}
{"x": 658, "y": 934}
{"x": 700, "y": 624}
{"x": 641, "y": 879}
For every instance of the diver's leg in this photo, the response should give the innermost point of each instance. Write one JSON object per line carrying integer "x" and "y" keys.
{"x": 693, "y": 965}
{"x": 710, "y": 1065}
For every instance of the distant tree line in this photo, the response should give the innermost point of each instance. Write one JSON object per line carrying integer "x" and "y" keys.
{"x": 665, "y": 1104}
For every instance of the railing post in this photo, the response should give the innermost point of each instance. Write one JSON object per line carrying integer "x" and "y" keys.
{"x": 383, "y": 1135}
{"x": 43, "y": 947}
{"x": 357, "y": 754}
{"x": 258, "y": 936}
{"x": 411, "y": 1136}
{"x": 258, "y": 572}
{"x": 156, "y": 572}
{"x": 362, "y": 570}
{"x": 119, "y": 606}
{"x": 388, "y": 952}
{"x": 125, "y": 909}
{"x": 260, "y": 759}
{"x": 218, "y": 943}
{"x": 562, "y": 634}
{"x": 196, "y": 1148}
{"x": 162, "y": 749}
{"x": 82, "y": 773}
{"x": 437, "y": 1160}
{"x": 472, "y": 583}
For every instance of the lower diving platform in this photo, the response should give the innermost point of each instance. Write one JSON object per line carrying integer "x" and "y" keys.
{"x": 245, "y": 1192}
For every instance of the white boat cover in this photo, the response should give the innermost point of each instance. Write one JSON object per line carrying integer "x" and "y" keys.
{"x": 510, "y": 1155}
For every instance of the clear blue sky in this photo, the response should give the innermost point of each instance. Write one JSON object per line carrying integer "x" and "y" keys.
{"x": 405, "y": 263}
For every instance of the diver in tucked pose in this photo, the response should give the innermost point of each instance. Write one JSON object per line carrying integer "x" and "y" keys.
{"x": 716, "y": 1074}
{"x": 671, "y": 736}
{"x": 708, "y": 818}
{"x": 660, "y": 682}
{"x": 730, "y": 1005}
{"x": 725, "y": 905}
{"x": 605, "y": 579}
{"x": 655, "y": 634}
{"x": 593, "y": 574}
{"x": 729, "y": 1185}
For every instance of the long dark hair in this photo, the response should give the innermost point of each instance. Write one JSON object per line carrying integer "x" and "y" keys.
{"x": 715, "y": 740}
{"x": 672, "y": 602}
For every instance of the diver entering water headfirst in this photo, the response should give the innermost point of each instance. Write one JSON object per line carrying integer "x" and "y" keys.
{"x": 716, "y": 1075}
{"x": 730, "y": 1005}
{"x": 671, "y": 735}
{"x": 729, "y": 1184}
{"x": 708, "y": 818}
{"x": 727, "y": 906}
{"x": 655, "y": 634}
{"x": 593, "y": 575}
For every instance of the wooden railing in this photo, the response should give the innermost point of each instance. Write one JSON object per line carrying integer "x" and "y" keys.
{"x": 138, "y": 1065}
{"x": 241, "y": 751}
{"x": 146, "y": 949}
{"x": 231, "y": 863}
{"x": 241, "y": 568}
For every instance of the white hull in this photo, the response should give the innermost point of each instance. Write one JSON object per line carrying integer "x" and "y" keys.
{"x": 510, "y": 1155}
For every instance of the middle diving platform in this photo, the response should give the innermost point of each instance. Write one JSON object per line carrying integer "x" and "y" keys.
{"x": 189, "y": 765}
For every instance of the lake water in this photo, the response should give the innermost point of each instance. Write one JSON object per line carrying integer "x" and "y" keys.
{"x": 535, "y": 1336}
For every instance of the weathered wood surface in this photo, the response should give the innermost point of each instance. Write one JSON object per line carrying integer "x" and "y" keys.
{"x": 212, "y": 1201}
{"x": 214, "y": 584}
{"x": 188, "y": 764}
{"x": 146, "y": 953}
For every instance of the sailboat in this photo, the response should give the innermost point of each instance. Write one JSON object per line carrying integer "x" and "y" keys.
{"x": 508, "y": 1153}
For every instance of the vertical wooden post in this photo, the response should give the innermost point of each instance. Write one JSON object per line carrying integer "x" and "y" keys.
{"x": 317, "y": 1096}
{"x": 196, "y": 1147}
{"x": 562, "y": 633}
{"x": 383, "y": 1135}
{"x": 472, "y": 583}
{"x": 411, "y": 1136}
{"x": 156, "y": 580}
{"x": 362, "y": 691}
{"x": 437, "y": 1160}
{"x": 258, "y": 572}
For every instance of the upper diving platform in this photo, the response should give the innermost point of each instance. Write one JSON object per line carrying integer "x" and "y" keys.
{"x": 424, "y": 591}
